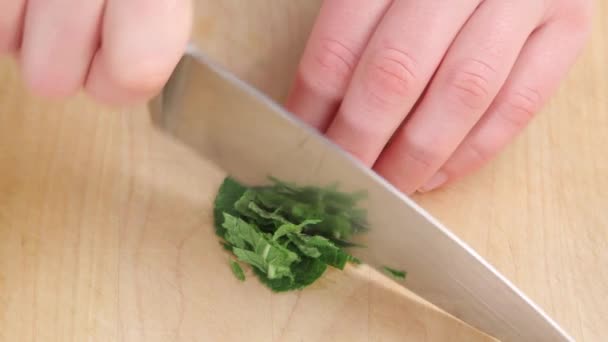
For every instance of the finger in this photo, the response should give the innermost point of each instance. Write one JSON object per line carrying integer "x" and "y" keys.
{"x": 545, "y": 60}
{"x": 339, "y": 36}
{"x": 11, "y": 24}
{"x": 59, "y": 40}
{"x": 393, "y": 72}
{"x": 142, "y": 42}
{"x": 470, "y": 76}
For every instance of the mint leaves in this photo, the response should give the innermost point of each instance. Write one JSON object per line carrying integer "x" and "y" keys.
{"x": 397, "y": 274}
{"x": 287, "y": 234}
{"x": 237, "y": 270}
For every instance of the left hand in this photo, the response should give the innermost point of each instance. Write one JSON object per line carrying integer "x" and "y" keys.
{"x": 117, "y": 51}
{"x": 426, "y": 91}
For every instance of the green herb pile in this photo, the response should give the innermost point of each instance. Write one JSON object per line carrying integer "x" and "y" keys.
{"x": 288, "y": 234}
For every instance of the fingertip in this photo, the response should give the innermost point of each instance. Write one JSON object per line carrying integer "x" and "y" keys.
{"x": 390, "y": 172}
{"x": 312, "y": 109}
{"x": 120, "y": 87}
{"x": 138, "y": 52}
{"x": 47, "y": 82}
{"x": 435, "y": 182}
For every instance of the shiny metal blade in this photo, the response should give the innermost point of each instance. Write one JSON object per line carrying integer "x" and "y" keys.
{"x": 236, "y": 127}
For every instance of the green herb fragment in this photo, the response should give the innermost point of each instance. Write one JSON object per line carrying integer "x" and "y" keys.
{"x": 305, "y": 273}
{"x": 288, "y": 234}
{"x": 237, "y": 270}
{"x": 400, "y": 275}
{"x": 230, "y": 192}
{"x": 354, "y": 260}
{"x": 258, "y": 249}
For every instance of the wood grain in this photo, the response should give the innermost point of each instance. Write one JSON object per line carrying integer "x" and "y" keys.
{"x": 105, "y": 231}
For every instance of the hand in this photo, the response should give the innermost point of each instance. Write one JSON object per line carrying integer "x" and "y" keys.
{"x": 119, "y": 51}
{"x": 427, "y": 91}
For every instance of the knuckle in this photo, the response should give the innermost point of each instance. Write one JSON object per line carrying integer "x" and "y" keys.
{"x": 420, "y": 149}
{"x": 584, "y": 23}
{"x": 576, "y": 16}
{"x": 470, "y": 84}
{"x": 521, "y": 105}
{"x": 390, "y": 76}
{"x": 50, "y": 81}
{"x": 581, "y": 13}
{"x": 329, "y": 68}
{"x": 478, "y": 152}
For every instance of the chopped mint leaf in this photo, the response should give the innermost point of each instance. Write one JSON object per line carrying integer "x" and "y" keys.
{"x": 354, "y": 260}
{"x": 230, "y": 191}
{"x": 328, "y": 252}
{"x": 240, "y": 233}
{"x": 394, "y": 273}
{"x": 287, "y": 234}
{"x": 343, "y": 243}
{"x": 257, "y": 249}
{"x": 237, "y": 270}
{"x": 290, "y": 228}
{"x": 286, "y": 229}
{"x": 304, "y": 247}
{"x": 306, "y": 272}
{"x": 251, "y": 258}
{"x": 274, "y": 216}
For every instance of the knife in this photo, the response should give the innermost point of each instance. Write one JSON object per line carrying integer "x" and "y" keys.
{"x": 250, "y": 137}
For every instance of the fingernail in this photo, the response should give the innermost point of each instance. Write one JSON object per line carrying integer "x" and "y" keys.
{"x": 436, "y": 181}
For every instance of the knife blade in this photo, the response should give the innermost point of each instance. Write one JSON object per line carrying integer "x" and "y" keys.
{"x": 250, "y": 137}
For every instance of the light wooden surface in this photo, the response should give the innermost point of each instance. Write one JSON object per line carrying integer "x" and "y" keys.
{"x": 105, "y": 231}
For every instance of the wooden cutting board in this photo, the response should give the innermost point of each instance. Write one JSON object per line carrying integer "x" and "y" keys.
{"x": 105, "y": 231}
